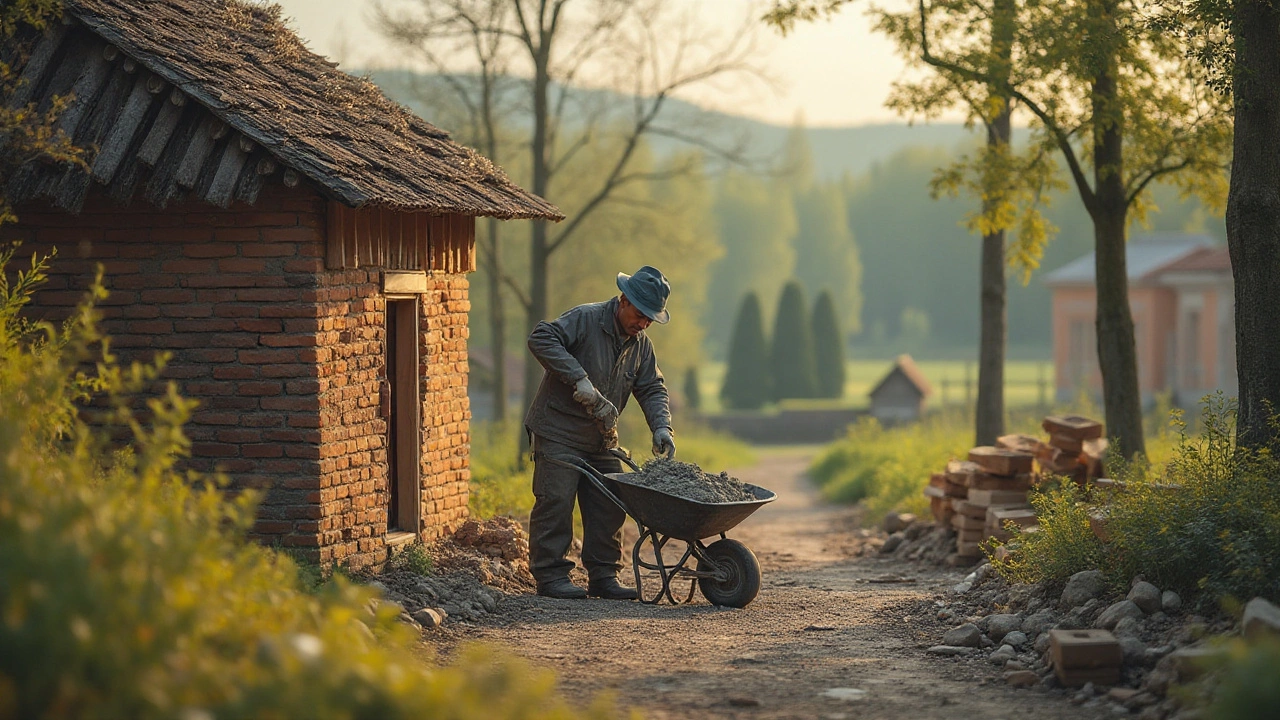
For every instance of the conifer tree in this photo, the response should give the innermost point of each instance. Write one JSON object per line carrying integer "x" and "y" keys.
{"x": 828, "y": 347}
{"x": 692, "y": 395}
{"x": 747, "y": 382}
{"x": 792, "y": 356}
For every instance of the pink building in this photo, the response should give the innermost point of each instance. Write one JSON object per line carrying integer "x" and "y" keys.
{"x": 1181, "y": 297}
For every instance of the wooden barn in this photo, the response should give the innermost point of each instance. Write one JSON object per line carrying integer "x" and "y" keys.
{"x": 900, "y": 395}
{"x": 298, "y": 243}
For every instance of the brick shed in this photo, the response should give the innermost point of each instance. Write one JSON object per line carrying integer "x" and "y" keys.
{"x": 297, "y": 242}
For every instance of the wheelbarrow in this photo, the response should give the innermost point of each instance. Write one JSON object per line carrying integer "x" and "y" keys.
{"x": 726, "y": 571}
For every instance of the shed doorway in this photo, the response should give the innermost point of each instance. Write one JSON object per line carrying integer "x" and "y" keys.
{"x": 404, "y": 444}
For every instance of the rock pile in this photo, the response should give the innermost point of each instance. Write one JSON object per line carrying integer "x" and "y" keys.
{"x": 1126, "y": 653}
{"x": 688, "y": 481}
{"x": 472, "y": 571}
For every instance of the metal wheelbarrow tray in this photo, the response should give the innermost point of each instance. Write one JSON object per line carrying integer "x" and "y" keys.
{"x": 726, "y": 571}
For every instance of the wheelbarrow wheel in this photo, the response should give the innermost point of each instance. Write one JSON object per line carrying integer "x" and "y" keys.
{"x": 738, "y": 571}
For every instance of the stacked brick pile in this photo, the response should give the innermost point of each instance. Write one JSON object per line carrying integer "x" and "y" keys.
{"x": 978, "y": 496}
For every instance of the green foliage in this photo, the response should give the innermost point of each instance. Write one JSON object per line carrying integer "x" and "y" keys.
{"x": 1206, "y": 523}
{"x": 128, "y": 590}
{"x": 748, "y": 383}
{"x": 414, "y": 558}
{"x": 1246, "y": 680}
{"x": 887, "y": 468}
{"x": 828, "y": 348}
{"x": 791, "y": 359}
{"x": 1063, "y": 545}
{"x": 692, "y": 393}
{"x": 755, "y": 222}
{"x": 826, "y": 254}
{"x": 500, "y": 483}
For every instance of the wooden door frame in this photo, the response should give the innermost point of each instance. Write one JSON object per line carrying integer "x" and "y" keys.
{"x": 408, "y": 409}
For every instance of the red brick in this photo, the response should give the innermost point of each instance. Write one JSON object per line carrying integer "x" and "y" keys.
{"x": 259, "y": 326}
{"x": 235, "y": 372}
{"x": 290, "y": 234}
{"x": 188, "y": 266}
{"x": 259, "y": 388}
{"x": 297, "y": 403}
{"x": 242, "y": 265}
{"x": 151, "y": 327}
{"x": 304, "y": 265}
{"x": 271, "y": 450}
{"x": 273, "y": 250}
{"x": 239, "y": 435}
{"x": 289, "y": 340}
{"x": 209, "y": 250}
{"x": 205, "y": 325}
{"x": 214, "y": 449}
{"x": 263, "y": 357}
{"x": 167, "y": 296}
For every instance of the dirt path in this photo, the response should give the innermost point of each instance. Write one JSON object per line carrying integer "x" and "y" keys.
{"x": 826, "y": 638}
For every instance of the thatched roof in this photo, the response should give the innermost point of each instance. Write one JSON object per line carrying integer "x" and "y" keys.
{"x": 246, "y": 69}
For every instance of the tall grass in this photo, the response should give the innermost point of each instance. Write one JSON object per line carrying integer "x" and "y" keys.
{"x": 887, "y": 468}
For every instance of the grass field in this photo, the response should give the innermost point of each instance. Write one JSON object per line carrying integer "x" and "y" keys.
{"x": 1027, "y": 383}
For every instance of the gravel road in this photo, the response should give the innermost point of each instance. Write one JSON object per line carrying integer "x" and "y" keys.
{"x": 831, "y": 635}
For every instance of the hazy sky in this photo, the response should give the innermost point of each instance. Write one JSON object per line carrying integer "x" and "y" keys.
{"x": 835, "y": 72}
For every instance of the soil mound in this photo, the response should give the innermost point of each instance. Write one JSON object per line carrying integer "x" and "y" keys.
{"x": 494, "y": 551}
{"x": 688, "y": 481}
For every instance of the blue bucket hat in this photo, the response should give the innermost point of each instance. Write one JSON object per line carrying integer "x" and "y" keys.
{"x": 648, "y": 290}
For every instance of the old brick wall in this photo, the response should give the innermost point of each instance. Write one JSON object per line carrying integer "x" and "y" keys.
{"x": 284, "y": 356}
{"x": 446, "y": 411}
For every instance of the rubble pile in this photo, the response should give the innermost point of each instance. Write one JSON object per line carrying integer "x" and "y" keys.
{"x": 1116, "y": 654}
{"x": 688, "y": 481}
{"x": 472, "y": 571}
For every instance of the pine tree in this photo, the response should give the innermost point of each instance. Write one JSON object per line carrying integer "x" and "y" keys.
{"x": 828, "y": 347}
{"x": 692, "y": 395}
{"x": 793, "y": 367}
{"x": 747, "y": 382}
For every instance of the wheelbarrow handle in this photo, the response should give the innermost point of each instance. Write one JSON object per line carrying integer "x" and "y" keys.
{"x": 592, "y": 474}
{"x": 624, "y": 455}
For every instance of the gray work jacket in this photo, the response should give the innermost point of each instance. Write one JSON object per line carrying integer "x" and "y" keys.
{"x": 586, "y": 341}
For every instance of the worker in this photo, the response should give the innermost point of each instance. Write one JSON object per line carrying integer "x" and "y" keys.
{"x": 595, "y": 355}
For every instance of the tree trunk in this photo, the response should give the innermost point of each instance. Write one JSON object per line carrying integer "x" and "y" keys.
{"x": 539, "y": 252}
{"x": 989, "y": 412}
{"x": 1253, "y": 218}
{"x": 497, "y": 320}
{"x": 989, "y": 420}
{"x": 1117, "y": 356}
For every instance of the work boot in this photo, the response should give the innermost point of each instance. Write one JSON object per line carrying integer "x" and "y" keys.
{"x": 562, "y": 588}
{"x": 609, "y": 589}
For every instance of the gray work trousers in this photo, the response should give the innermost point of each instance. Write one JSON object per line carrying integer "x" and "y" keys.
{"x": 551, "y": 522}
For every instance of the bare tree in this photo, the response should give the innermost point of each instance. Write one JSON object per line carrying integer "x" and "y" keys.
{"x": 438, "y": 33}
{"x": 647, "y": 49}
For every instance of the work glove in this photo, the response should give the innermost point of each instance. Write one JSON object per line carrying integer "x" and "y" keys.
{"x": 596, "y": 404}
{"x": 663, "y": 443}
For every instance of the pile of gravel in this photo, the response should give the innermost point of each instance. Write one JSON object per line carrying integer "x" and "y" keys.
{"x": 688, "y": 481}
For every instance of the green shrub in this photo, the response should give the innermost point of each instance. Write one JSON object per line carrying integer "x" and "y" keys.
{"x": 1206, "y": 523}
{"x": 1064, "y": 543}
{"x": 1247, "y": 680}
{"x": 792, "y": 362}
{"x": 889, "y": 467}
{"x": 128, "y": 590}
{"x": 828, "y": 348}
{"x": 748, "y": 383}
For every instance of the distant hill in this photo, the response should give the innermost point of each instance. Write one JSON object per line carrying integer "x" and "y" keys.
{"x": 837, "y": 150}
